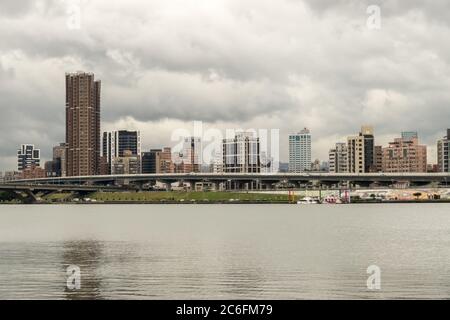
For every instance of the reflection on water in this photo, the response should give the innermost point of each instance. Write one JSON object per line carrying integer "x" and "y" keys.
{"x": 86, "y": 254}
{"x": 224, "y": 251}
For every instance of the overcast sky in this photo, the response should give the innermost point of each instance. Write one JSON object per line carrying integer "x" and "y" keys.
{"x": 283, "y": 64}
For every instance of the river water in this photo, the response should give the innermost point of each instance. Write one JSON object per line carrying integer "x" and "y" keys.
{"x": 225, "y": 251}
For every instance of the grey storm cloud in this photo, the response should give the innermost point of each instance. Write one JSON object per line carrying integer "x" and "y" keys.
{"x": 280, "y": 64}
{"x": 15, "y": 8}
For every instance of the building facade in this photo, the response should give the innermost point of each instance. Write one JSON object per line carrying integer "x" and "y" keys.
{"x": 60, "y": 159}
{"x": 165, "y": 163}
{"x": 409, "y": 135}
{"x": 443, "y": 147}
{"x": 11, "y": 176}
{"x": 27, "y": 157}
{"x": 361, "y": 151}
{"x": 267, "y": 163}
{"x": 378, "y": 159}
{"x": 405, "y": 155}
{"x": 32, "y": 172}
{"x": 189, "y": 159}
{"x": 218, "y": 161}
{"x": 82, "y": 124}
{"x": 116, "y": 143}
{"x": 127, "y": 164}
{"x": 241, "y": 154}
{"x": 300, "y": 151}
{"x": 157, "y": 161}
{"x": 57, "y": 166}
{"x": 338, "y": 158}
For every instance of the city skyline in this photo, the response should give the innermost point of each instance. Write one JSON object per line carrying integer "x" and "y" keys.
{"x": 89, "y": 151}
{"x": 224, "y": 77}
{"x": 104, "y": 158}
{"x": 130, "y": 142}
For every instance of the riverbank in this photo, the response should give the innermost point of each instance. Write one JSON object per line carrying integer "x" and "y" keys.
{"x": 200, "y": 197}
{"x": 144, "y": 197}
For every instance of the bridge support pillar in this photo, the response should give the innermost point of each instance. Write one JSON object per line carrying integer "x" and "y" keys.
{"x": 216, "y": 186}
{"x": 28, "y": 199}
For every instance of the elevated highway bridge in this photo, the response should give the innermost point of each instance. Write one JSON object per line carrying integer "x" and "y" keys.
{"x": 240, "y": 179}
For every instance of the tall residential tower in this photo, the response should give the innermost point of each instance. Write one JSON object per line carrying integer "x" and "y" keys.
{"x": 361, "y": 149}
{"x": 82, "y": 124}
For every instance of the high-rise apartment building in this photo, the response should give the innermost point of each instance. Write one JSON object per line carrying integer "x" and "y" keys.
{"x": 116, "y": 143}
{"x": 405, "y": 155}
{"x": 27, "y": 157}
{"x": 300, "y": 151}
{"x": 82, "y": 124}
{"x": 338, "y": 158}
{"x": 443, "y": 147}
{"x": 241, "y": 154}
{"x": 361, "y": 151}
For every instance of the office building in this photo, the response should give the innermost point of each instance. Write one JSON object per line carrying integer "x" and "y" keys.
{"x": 82, "y": 124}
{"x": 116, "y": 143}
{"x": 149, "y": 161}
{"x": 157, "y": 161}
{"x": 443, "y": 147}
{"x": 300, "y": 151}
{"x": 241, "y": 154}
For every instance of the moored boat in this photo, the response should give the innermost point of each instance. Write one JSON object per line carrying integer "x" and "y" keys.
{"x": 308, "y": 200}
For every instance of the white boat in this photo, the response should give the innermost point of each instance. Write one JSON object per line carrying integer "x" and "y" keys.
{"x": 307, "y": 200}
